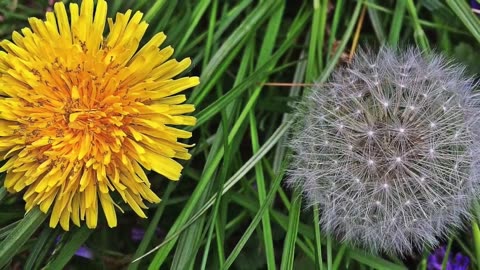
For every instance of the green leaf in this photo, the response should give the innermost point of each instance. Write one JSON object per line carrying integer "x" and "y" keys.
{"x": 173, "y": 235}
{"x": 236, "y": 38}
{"x": 465, "y": 14}
{"x": 373, "y": 261}
{"x": 248, "y": 232}
{"x": 3, "y": 193}
{"x": 288, "y": 256}
{"x": 20, "y": 234}
{"x": 41, "y": 248}
{"x": 66, "y": 251}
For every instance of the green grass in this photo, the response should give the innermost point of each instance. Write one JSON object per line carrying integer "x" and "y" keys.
{"x": 231, "y": 209}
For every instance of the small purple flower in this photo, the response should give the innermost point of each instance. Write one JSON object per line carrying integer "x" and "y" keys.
{"x": 435, "y": 258}
{"x": 137, "y": 234}
{"x": 84, "y": 252}
{"x": 457, "y": 262}
{"x": 475, "y": 6}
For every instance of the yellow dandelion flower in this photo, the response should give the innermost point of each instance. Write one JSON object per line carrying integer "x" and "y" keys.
{"x": 82, "y": 115}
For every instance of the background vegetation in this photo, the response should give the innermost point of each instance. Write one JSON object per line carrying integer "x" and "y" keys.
{"x": 231, "y": 209}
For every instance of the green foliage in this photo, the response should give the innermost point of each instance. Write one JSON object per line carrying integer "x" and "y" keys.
{"x": 230, "y": 209}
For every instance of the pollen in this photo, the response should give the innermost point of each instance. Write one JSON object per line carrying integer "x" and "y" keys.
{"x": 83, "y": 115}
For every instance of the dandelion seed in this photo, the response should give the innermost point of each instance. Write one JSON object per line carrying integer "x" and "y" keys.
{"x": 82, "y": 115}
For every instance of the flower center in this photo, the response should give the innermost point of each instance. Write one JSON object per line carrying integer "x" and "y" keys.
{"x": 86, "y": 118}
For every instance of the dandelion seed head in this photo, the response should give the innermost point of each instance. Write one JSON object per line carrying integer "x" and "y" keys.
{"x": 409, "y": 188}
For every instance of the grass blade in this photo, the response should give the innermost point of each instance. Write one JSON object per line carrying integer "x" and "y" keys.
{"x": 465, "y": 14}
{"x": 249, "y": 231}
{"x": 373, "y": 261}
{"x": 397, "y": 23}
{"x": 40, "y": 249}
{"x": 172, "y": 236}
{"x": 291, "y": 237}
{"x": 19, "y": 235}
{"x": 66, "y": 252}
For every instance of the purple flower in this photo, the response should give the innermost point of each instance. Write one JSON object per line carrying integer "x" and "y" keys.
{"x": 84, "y": 252}
{"x": 137, "y": 234}
{"x": 457, "y": 262}
{"x": 475, "y": 6}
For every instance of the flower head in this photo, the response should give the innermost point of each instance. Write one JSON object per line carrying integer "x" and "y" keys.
{"x": 137, "y": 234}
{"x": 389, "y": 150}
{"x": 475, "y": 5}
{"x": 457, "y": 262}
{"x": 83, "y": 251}
{"x": 82, "y": 115}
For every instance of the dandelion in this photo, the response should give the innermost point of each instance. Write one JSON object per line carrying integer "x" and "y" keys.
{"x": 82, "y": 115}
{"x": 401, "y": 165}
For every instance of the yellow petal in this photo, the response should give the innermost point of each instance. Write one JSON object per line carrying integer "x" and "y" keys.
{"x": 108, "y": 209}
{"x": 136, "y": 208}
{"x": 75, "y": 96}
{"x": 62, "y": 18}
{"x": 164, "y": 166}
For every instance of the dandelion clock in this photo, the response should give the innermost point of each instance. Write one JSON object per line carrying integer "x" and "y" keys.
{"x": 389, "y": 150}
